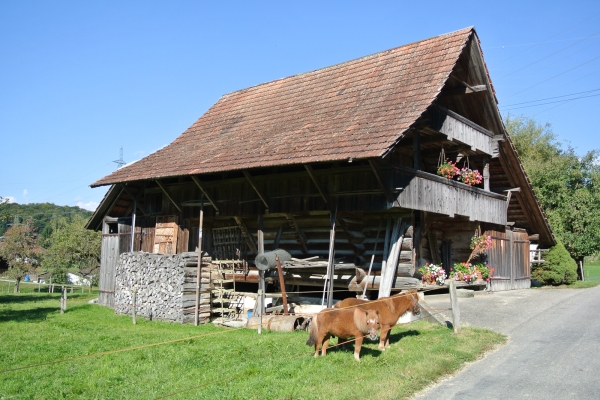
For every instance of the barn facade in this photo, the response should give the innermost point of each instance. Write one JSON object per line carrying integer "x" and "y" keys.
{"x": 338, "y": 167}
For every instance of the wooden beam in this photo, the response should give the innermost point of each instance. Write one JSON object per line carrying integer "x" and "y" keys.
{"x": 311, "y": 173}
{"x": 135, "y": 205}
{"x": 212, "y": 203}
{"x": 297, "y": 232}
{"x": 377, "y": 173}
{"x": 416, "y": 150}
{"x": 249, "y": 178}
{"x": 464, "y": 90}
{"x": 277, "y": 238}
{"x": 246, "y": 234}
{"x": 168, "y": 196}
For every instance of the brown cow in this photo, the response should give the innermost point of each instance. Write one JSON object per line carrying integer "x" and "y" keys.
{"x": 389, "y": 308}
{"x": 342, "y": 323}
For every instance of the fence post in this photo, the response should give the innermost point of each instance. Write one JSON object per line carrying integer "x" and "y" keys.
{"x": 454, "y": 305}
{"x": 62, "y": 299}
{"x": 134, "y": 301}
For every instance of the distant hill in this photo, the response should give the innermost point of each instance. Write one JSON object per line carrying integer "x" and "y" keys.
{"x": 42, "y": 214}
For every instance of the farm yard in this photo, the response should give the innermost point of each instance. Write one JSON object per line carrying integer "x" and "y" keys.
{"x": 89, "y": 352}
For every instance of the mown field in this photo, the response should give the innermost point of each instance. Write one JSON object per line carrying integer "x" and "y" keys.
{"x": 90, "y": 353}
{"x": 591, "y": 274}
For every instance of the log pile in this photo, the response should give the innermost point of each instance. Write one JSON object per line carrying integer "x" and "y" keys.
{"x": 165, "y": 286}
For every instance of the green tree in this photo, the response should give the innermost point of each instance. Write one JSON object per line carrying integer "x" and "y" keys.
{"x": 558, "y": 269}
{"x": 568, "y": 186}
{"x": 73, "y": 248}
{"x": 21, "y": 251}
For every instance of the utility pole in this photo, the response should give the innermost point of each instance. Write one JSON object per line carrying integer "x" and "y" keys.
{"x": 120, "y": 161}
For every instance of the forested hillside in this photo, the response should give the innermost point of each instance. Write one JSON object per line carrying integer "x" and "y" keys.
{"x": 44, "y": 216}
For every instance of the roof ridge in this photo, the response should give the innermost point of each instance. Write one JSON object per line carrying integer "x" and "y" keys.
{"x": 472, "y": 27}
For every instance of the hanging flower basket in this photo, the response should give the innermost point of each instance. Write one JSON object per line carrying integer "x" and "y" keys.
{"x": 480, "y": 243}
{"x": 447, "y": 169}
{"x": 469, "y": 176}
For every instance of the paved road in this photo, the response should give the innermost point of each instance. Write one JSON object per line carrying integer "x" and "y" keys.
{"x": 553, "y": 350}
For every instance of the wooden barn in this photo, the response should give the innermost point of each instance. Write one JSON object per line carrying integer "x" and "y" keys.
{"x": 335, "y": 166}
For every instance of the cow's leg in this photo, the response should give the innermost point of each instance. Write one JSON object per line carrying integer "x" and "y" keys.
{"x": 383, "y": 337}
{"x": 324, "y": 345}
{"x": 387, "y": 338}
{"x": 357, "y": 346}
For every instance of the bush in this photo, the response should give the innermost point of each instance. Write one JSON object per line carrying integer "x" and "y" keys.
{"x": 558, "y": 269}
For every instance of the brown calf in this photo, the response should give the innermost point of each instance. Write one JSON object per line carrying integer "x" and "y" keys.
{"x": 389, "y": 309}
{"x": 355, "y": 323}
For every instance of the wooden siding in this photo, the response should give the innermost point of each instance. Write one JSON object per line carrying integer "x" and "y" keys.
{"x": 509, "y": 256}
{"x": 108, "y": 265}
{"x": 458, "y": 128}
{"x": 427, "y": 192}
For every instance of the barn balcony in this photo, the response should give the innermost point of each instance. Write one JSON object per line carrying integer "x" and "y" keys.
{"x": 424, "y": 191}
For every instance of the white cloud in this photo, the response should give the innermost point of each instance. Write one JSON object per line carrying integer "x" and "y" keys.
{"x": 25, "y": 192}
{"x": 11, "y": 199}
{"x": 90, "y": 205}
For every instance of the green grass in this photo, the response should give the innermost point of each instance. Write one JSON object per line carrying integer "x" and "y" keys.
{"x": 592, "y": 275}
{"x": 223, "y": 363}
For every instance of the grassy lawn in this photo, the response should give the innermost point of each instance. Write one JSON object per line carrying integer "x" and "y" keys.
{"x": 210, "y": 362}
{"x": 592, "y": 275}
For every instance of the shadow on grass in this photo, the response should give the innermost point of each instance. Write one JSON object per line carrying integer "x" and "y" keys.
{"x": 31, "y": 315}
{"x": 374, "y": 352}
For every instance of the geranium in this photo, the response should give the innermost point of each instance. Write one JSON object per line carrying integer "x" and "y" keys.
{"x": 433, "y": 273}
{"x": 469, "y": 176}
{"x": 448, "y": 169}
{"x": 486, "y": 271}
{"x": 464, "y": 272}
{"x": 481, "y": 243}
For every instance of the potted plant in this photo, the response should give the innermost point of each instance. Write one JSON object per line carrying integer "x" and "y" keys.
{"x": 469, "y": 176}
{"x": 485, "y": 271}
{"x": 432, "y": 274}
{"x": 447, "y": 169}
{"x": 464, "y": 272}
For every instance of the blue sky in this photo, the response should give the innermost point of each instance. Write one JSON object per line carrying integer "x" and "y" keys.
{"x": 80, "y": 79}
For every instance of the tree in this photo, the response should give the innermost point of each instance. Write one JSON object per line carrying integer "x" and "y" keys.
{"x": 73, "y": 248}
{"x": 20, "y": 250}
{"x": 558, "y": 269}
{"x": 568, "y": 186}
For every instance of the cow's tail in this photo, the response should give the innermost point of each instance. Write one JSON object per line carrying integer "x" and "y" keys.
{"x": 312, "y": 329}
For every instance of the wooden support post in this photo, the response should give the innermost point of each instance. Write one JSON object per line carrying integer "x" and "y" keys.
{"x": 133, "y": 224}
{"x": 297, "y": 232}
{"x": 246, "y": 234}
{"x": 262, "y": 198}
{"x": 197, "y": 182}
{"x": 133, "y": 306}
{"x": 329, "y": 281}
{"x": 311, "y": 173}
{"x": 486, "y": 174}
{"x": 282, "y": 284}
{"x": 454, "y": 305}
{"x": 277, "y": 238}
{"x": 260, "y": 235}
{"x": 160, "y": 185}
{"x": 416, "y": 150}
{"x": 382, "y": 184}
{"x": 199, "y": 267}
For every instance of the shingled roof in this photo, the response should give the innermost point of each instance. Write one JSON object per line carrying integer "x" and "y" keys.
{"x": 357, "y": 109}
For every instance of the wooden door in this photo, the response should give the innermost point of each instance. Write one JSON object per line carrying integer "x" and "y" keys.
{"x": 165, "y": 235}
{"x": 108, "y": 267}
{"x": 509, "y": 256}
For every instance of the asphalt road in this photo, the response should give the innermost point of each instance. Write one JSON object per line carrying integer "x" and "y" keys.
{"x": 553, "y": 350}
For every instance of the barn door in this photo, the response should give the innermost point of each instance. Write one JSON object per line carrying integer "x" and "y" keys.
{"x": 165, "y": 235}
{"x": 509, "y": 256}
{"x": 108, "y": 262}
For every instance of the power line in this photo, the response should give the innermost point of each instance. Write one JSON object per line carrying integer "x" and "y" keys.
{"x": 552, "y": 102}
{"x": 555, "y": 76}
{"x": 551, "y": 54}
{"x": 545, "y": 40}
{"x": 555, "y": 97}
